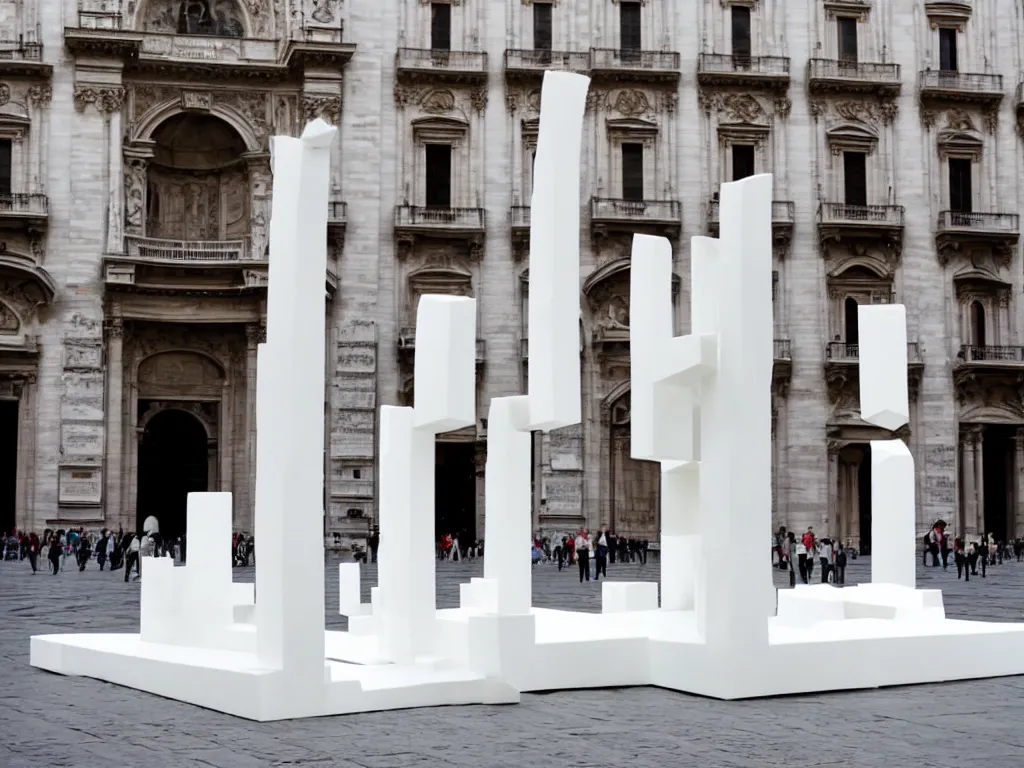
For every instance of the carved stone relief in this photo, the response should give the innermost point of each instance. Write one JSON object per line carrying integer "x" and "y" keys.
{"x": 325, "y": 11}
{"x": 734, "y": 107}
{"x": 9, "y": 322}
{"x": 252, "y": 105}
{"x": 317, "y": 105}
{"x": 106, "y": 100}
{"x": 134, "y": 194}
{"x": 518, "y": 99}
{"x": 285, "y": 114}
{"x": 40, "y": 95}
{"x": 195, "y": 17}
{"x": 5, "y": 94}
{"x": 437, "y": 101}
{"x": 197, "y": 206}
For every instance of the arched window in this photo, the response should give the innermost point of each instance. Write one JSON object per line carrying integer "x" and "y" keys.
{"x": 851, "y": 320}
{"x": 977, "y": 324}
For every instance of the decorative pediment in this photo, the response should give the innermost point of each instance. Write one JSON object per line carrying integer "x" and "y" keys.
{"x": 439, "y": 128}
{"x": 34, "y": 284}
{"x": 960, "y": 144}
{"x": 855, "y": 137}
{"x": 632, "y": 126}
{"x": 978, "y": 274}
{"x": 444, "y": 280}
{"x": 614, "y": 271}
{"x": 862, "y": 267}
{"x": 742, "y": 133}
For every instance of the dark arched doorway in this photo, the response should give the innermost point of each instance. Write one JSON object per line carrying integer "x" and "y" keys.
{"x": 172, "y": 464}
{"x": 852, "y": 320}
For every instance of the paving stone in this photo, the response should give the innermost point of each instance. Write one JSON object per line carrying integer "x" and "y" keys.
{"x": 50, "y": 720}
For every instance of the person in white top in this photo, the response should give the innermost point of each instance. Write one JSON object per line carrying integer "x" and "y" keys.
{"x": 583, "y": 554}
{"x": 801, "y": 557}
{"x": 825, "y": 555}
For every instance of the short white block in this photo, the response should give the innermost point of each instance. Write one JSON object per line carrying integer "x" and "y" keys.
{"x": 445, "y": 365}
{"x": 883, "y": 365}
{"x": 208, "y": 572}
{"x": 629, "y": 596}
{"x": 893, "y": 531}
{"x": 349, "y": 596}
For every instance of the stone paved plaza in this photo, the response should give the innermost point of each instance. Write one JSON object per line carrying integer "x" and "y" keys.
{"x": 49, "y": 720}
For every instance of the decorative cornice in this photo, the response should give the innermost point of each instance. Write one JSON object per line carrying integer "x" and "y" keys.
{"x": 327, "y": 107}
{"x": 107, "y": 100}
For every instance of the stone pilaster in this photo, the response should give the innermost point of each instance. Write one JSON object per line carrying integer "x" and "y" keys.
{"x": 113, "y": 506}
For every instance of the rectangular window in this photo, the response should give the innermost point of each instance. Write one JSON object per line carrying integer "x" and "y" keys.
{"x": 741, "y": 34}
{"x": 440, "y": 27}
{"x": 947, "y": 50}
{"x": 855, "y": 178}
{"x": 847, "y": 30}
{"x": 542, "y": 26}
{"x": 629, "y": 26}
{"x": 742, "y": 161}
{"x": 439, "y": 175}
{"x": 5, "y": 166}
{"x": 633, "y": 172}
{"x": 960, "y": 192}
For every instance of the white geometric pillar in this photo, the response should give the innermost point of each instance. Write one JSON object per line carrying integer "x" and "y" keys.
{"x": 553, "y": 399}
{"x": 444, "y": 385}
{"x": 884, "y": 402}
{"x": 290, "y": 470}
{"x": 736, "y": 430}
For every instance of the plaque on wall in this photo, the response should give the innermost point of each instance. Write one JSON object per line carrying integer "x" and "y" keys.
{"x": 81, "y": 439}
{"x": 83, "y": 356}
{"x": 80, "y": 486}
{"x": 83, "y": 396}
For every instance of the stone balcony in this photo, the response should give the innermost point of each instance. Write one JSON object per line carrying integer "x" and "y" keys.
{"x": 413, "y": 222}
{"x": 979, "y": 364}
{"x": 432, "y": 65}
{"x": 529, "y": 65}
{"x": 661, "y": 217}
{"x": 524, "y": 349}
{"x": 782, "y": 366}
{"x": 337, "y": 220}
{"x": 206, "y": 56}
{"x": 783, "y": 215}
{"x": 842, "y": 361}
{"x": 759, "y": 72}
{"x": 971, "y": 87}
{"x": 839, "y": 221}
{"x": 23, "y": 58}
{"x": 1000, "y": 231}
{"x": 634, "y": 66}
{"x": 22, "y": 211}
{"x": 840, "y": 76}
{"x": 519, "y": 227}
{"x": 204, "y": 267}
{"x": 407, "y": 344}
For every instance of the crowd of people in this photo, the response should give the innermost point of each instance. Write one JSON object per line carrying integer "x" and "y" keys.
{"x": 800, "y": 555}
{"x": 582, "y": 550}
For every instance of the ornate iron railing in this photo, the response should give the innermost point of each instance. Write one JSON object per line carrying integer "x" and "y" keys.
{"x": 843, "y": 69}
{"x": 604, "y": 208}
{"x": 192, "y": 251}
{"x": 980, "y": 222}
{"x": 974, "y": 353}
{"x": 427, "y": 216}
{"x": 724, "y": 64}
{"x": 427, "y": 58}
{"x": 840, "y": 351}
{"x": 615, "y": 58}
{"x": 841, "y": 213}
{"x": 570, "y": 61}
{"x": 972, "y": 82}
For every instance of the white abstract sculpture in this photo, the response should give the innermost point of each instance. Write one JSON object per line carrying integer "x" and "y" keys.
{"x": 701, "y": 407}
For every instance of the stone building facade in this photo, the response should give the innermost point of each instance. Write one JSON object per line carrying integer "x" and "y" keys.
{"x": 135, "y": 198}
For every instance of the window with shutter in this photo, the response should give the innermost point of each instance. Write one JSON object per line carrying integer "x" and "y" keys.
{"x": 847, "y": 31}
{"x": 855, "y": 178}
{"x": 440, "y": 27}
{"x": 629, "y": 26}
{"x": 542, "y": 26}
{"x": 5, "y": 166}
{"x": 742, "y": 161}
{"x": 439, "y": 175}
{"x": 947, "y": 50}
{"x": 633, "y": 172}
{"x": 741, "y": 34}
{"x": 960, "y": 192}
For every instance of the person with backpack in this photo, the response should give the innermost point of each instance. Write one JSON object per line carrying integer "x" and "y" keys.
{"x": 840, "y": 577}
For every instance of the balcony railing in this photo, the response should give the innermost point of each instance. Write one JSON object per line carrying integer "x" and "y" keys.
{"x": 320, "y": 34}
{"x": 609, "y": 209}
{"x": 961, "y": 82}
{"x": 524, "y": 349}
{"x": 783, "y": 213}
{"x": 452, "y": 61}
{"x": 839, "y": 351}
{"x": 1001, "y": 223}
{"x": 870, "y": 215}
{"x": 539, "y": 61}
{"x": 99, "y": 20}
{"x": 24, "y": 205}
{"x": 337, "y": 211}
{"x": 614, "y": 58}
{"x": 184, "y": 251}
{"x": 860, "y": 71}
{"x": 729, "y": 64}
{"x": 782, "y": 349}
{"x": 519, "y": 216}
{"x": 19, "y": 50}
{"x": 442, "y": 218}
{"x": 973, "y": 353}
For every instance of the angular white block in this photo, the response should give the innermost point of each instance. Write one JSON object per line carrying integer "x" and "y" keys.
{"x": 894, "y": 547}
{"x": 160, "y": 601}
{"x": 883, "y": 365}
{"x": 554, "y": 381}
{"x": 349, "y": 594}
{"x": 629, "y": 596}
{"x": 445, "y": 364}
{"x": 208, "y": 573}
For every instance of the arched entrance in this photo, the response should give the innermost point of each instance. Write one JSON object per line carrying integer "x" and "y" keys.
{"x": 853, "y": 523}
{"x": 635, "y": 485}
{"x": 173, "y": 463}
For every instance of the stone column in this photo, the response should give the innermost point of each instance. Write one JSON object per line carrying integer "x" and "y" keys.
{"x": 255, "y": 334}
{"x": 115, "y": 427}
{"x": 979, "y": 479}
{"x": 136, "y": 163}
{"x": 833, "y": 486}
{"x": 969, "y": 498}
{"x": 853, "y": 503}
{"x": 1015, "y": 524}
{"x": 111, "y": 110}
{"x": 260, "y": 186}
{"x": 24, "y": 506}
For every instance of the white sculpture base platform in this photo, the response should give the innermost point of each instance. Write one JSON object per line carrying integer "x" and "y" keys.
{"x": 491, "y": 659}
